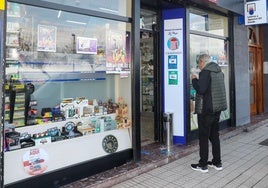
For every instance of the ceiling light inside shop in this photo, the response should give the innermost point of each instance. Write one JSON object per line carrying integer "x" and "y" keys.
{"x": 76, "y": 22}
{"x": 59, "y": 13}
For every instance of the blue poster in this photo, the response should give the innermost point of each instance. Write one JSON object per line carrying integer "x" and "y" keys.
{"x": 172, "y": 62}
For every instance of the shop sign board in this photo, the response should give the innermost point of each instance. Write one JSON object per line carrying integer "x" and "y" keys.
{"x": 2, "y": 4}
{"x": 255, "y": 12}
{"x": 174, "y": 69}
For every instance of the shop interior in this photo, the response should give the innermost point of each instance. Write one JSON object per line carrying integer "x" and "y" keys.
{"x": 148, "y": 43}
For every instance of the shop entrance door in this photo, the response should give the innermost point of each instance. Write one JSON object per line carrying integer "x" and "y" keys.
{"x": 252, "y": 77}
{"x": 147, "y": 87}
{"x": 148, "y": 38}
{"x": 256, "y": 70}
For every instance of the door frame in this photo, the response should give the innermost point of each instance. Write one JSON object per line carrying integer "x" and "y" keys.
{"x": 157, "y": 114}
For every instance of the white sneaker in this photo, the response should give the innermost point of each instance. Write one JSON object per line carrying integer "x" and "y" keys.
{"x": 217, "y": 167}
{"x": 196, "y": 167}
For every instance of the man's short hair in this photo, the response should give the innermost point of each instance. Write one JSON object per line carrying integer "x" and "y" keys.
{"x": 205, "y": 58}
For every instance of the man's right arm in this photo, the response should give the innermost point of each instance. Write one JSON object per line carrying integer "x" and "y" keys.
{"x": 201, "y": 85}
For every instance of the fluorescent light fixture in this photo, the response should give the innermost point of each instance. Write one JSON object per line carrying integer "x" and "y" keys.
{"x": 59, "y": 13}
{"x": 109, "y": 10}
{"x": 75, "y": 22}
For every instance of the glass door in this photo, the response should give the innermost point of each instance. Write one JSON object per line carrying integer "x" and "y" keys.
{"x": 252, "y": 76}
{"x": 148, "y": 66}
{"x": 147, "y": 86}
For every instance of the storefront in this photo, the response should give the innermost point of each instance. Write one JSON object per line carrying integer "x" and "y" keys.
{"x": 87, "y": 82}
{"x": 184, "y": 32}
{"x": 67, "y": 91}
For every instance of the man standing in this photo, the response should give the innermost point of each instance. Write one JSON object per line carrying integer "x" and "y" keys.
{"x": 210, "y": 101}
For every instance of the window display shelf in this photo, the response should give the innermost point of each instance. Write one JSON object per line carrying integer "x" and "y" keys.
{"x": 33, "y": 129}
{"x": 13, "y": 32}
{"x": 12, "y": 45}
{"x": 76, "y": 150}
{"x": 11, "y": 60}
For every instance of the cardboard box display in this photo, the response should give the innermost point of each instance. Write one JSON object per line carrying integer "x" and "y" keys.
{"x": 13, "y": 140}
{"x": 79, "y": 106}
{"x": 42, "y": 140}
{"x": 85, "y": 130}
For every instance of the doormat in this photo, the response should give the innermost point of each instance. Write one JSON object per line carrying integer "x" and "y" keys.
{"x": 264, "y": 143}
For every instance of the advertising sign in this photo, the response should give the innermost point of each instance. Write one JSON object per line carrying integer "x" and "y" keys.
{"x": 2, "y": 4}
{"x": 35, "y": 161}
{"x": 173, "y": 46}
{"x": 86, "y": 45}
{"x": 117, "y": 52}
{"x": 255, "y": 12}
{"x": 46, "y": 40}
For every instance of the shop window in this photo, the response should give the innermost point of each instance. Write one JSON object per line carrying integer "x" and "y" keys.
{"x": 67, "y": 77}
{"x": 215, "y": 46}
{"x": 203, "y": 21}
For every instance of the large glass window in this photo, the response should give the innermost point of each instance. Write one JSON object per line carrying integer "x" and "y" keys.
{"x": 67, "y": 77}
{"x": 203, "y": 21}
{"x": 211, "y": 39}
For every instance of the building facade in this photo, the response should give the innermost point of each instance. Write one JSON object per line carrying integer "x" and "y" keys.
{"x": 86, "y": 83}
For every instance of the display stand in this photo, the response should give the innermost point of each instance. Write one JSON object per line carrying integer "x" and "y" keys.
{"x": 60, "y": 154}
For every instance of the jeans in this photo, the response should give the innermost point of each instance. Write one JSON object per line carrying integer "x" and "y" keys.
{"x": 208, "y": 126}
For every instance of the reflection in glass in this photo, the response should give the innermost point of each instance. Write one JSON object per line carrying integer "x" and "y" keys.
{"x": 218, "y": 50}
{"x": 60, "y": 51}
{"x": 208, "y": 22}
{"x": 251, "y": 77}
{"x": 117, "y": 7}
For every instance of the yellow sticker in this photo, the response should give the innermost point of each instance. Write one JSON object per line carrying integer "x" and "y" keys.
{"x": 2, "y": 4}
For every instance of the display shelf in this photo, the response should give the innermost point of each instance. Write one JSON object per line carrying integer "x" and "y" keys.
{"x": 13, "y": 31}
{"x": 89, "y": 147}
{"x": 15, "y": 104}
{"x": 32, "y": 129}
{"x": 12, "y": 60}
{"x": 12, "y": 47}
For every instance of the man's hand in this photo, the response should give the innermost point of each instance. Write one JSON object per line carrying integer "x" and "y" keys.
{"x": 193, "y": 76}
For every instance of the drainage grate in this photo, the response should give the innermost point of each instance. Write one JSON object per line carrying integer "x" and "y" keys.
{"x": 264, "y": 143}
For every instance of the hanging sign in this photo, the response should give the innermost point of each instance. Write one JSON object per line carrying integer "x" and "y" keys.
{"x": 255, "y": 12}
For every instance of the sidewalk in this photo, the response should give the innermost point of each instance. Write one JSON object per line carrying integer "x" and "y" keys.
{"x": 245, "y": 163}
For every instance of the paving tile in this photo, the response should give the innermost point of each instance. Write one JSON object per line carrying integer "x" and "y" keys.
{"x": 245, "y": 164}
{"x": 262, "y": 183}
